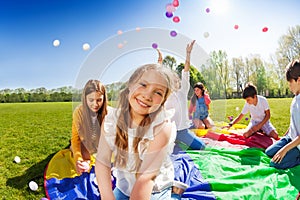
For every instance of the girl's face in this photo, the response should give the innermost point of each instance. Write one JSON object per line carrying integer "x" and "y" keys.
{"x": 294, "y": 86}
{"x": 198, "y": 92}
{"x": 94, "y": 101}
{"x": 147, "y": 94}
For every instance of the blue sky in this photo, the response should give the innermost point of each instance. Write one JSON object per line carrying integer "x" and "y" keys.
{"x": 29, "y": 60}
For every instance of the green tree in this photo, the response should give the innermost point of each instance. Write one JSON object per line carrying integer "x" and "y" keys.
{"x": 195, "y": 76}
{"x": 219, "y": 63}
{"x": 169, "y": 61}
{"x": 238, "y": 73}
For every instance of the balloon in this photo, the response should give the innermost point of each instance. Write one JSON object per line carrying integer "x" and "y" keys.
{"x": 175, "y": 3}
{"x": 33, "y": 186}
{"x": 236, "y": 26}
{"x": 154, "y": 46}
{"x": 120, "y": 45}
{"x": 86, "y": 47}
{"x": 170, "y": 8}
{"x": 173, "y": 33}
{"x": 56, "y": 43}
{"x": 120, "y": 32}
{"x": 206, "y": 34}
{"x": 207, "y": 10}
{"x": 169, "y": 14}
{"x": 265, "y": 29}
{"x": 17, "y": 159}
{"x": 176, "y": 19}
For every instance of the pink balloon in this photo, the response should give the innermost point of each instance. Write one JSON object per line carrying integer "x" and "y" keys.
{"x": 176, "y": 19}
{"x": 236, "y": 26}
{"x": 170, "y": 8}
{"x": 175, "y": 3}
{"x": 265, "y": 29}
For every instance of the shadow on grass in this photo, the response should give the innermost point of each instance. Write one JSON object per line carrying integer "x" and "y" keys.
{"x": 34, "y": 173}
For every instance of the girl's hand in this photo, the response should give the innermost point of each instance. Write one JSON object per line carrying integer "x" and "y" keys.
{"x": 189, "y": 47}
{"x": 277, "y": 158}
{"x": 82, "y": 166}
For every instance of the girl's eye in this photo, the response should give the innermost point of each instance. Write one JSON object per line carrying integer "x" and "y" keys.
{"x": 143, "y": 84}
{"x": 159, "y": 93}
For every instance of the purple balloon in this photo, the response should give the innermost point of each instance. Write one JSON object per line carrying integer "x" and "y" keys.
{"x": 169, "y": 14}
{"x": 154, "y": 46}
{"x": 173, "y": 33}
{"x": 207, "y": 10}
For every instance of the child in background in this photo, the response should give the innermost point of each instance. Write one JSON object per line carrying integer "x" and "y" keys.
{"x": 140, "y": 134}
{"x": 87, "y": 119}
{"x": 259, "y": 110}
{"x": 199, "y": 107}
{"x": 285, "y": 152}
{"x": 179, "y": 101}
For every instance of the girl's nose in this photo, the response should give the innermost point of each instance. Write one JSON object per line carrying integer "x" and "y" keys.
{"x": 147, "y": 95}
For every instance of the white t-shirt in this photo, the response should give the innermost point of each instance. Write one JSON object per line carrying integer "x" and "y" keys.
{"x": 178, "y": 101}
{"x": 257, "y": 112}
{"x": 294, "y": 129}
{"x": 126, "y": 177}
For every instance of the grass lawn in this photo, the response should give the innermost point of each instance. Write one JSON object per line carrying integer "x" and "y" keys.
{"x": 36, "y": 131}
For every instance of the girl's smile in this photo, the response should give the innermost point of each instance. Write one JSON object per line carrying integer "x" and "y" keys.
{"x": 147, "y": 94}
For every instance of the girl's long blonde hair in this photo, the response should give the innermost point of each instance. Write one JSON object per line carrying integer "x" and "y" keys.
{"x": 124, "y": 118}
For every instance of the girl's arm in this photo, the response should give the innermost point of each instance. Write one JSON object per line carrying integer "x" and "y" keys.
{"x": 207, "y": 100}
{"x": 75, "y": 140}
{"x": 103, "y": 168}
{"x": 160, "y": 58}
{"x": 187, "y": 63}
{"x": 152, "y": 162}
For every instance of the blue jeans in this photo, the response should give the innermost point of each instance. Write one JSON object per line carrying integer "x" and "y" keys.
{"x": 165, "y": 194}
{"x": 189, "y": 138}
{"x": 292, "y": 157}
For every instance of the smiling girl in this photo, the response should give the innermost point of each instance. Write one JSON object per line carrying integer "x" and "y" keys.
{"x": 141, "y": 136}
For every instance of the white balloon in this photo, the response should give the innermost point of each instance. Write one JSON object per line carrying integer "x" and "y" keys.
{"x": 206, "y": 34}
{"x": 86, "y": 47}
{"x": 17, "y": 159}
{"x": 56, "y": 43}
{"x": 33, "y": 186}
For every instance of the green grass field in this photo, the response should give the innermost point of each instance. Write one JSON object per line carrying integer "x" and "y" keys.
{"x": 36, "y": 131}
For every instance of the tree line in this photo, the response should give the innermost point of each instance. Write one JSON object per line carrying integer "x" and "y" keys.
{"x": 223, "y": 77}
